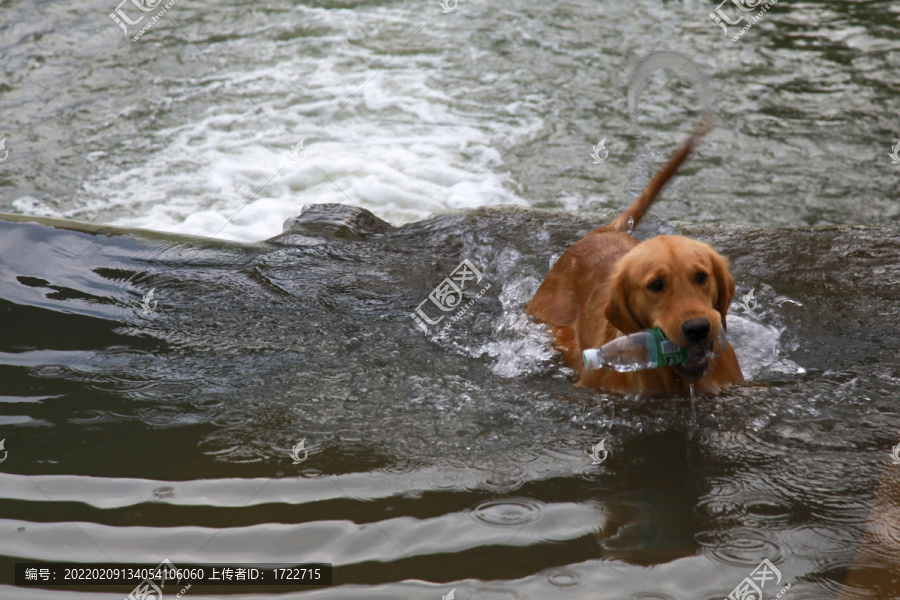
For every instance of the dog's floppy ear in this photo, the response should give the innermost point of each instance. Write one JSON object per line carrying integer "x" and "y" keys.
{"x": 724, "y": 284}
{"x": 618, "y": 312}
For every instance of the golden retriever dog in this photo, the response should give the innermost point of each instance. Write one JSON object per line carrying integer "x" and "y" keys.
{"x": 608, "y": 284}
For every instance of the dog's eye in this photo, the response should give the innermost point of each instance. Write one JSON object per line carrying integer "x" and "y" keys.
{"x": 656, "y": 285}
{"x": 701, "y": 278}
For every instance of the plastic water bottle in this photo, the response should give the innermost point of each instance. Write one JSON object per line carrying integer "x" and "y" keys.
{"x": 648, "y": 349}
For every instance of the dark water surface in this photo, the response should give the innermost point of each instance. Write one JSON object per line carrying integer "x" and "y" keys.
{"x": 461, "y": 463}
{"x": 134, "y": 435}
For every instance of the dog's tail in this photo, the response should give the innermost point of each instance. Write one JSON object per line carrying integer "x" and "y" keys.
{"x": 643, "y": 202}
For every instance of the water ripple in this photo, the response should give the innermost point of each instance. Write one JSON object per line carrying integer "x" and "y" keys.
{"x": 508, "y": 512}
{"x": 496, "y": 593}
{"x": 564, "y": 578}
{"x": 745, "y": 548}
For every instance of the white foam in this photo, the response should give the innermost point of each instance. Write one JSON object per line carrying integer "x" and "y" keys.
{"x": 402, "y": 147}
{"x": 757, "y": 348}
{"x": 518, "y": 344}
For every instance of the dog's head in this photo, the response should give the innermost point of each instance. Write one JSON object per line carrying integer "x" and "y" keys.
{"x": 677, "y": 284}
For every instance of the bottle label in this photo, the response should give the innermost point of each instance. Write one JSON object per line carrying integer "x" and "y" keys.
{"x": 667, "y": 352}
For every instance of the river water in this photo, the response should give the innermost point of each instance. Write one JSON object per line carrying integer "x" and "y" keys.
{"x": 139, "y": 427}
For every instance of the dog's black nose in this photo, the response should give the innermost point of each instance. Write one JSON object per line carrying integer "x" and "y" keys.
{"x": 695, "y": 330}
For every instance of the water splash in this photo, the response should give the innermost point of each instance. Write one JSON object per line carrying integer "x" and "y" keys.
{"x": 681, "y": 65}
{"x": 693, "y": 406}
{"x": 518, "y": 344}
